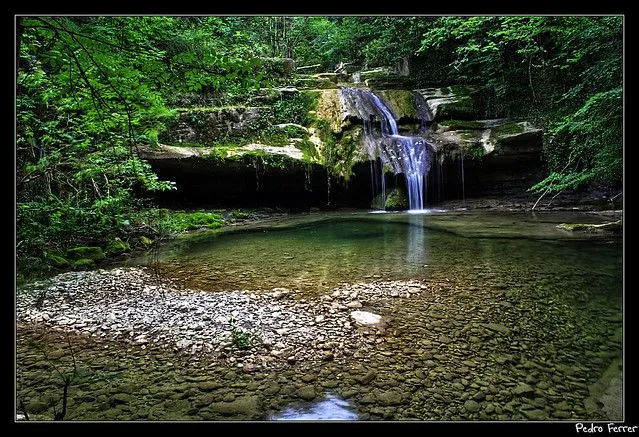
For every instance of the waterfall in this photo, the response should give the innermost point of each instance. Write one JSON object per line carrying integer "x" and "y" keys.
{"x": 409, "y": 155}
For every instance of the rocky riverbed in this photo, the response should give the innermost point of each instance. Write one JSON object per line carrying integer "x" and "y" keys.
{"x": 130, "y": 304}
{"x": 146, "y": 349}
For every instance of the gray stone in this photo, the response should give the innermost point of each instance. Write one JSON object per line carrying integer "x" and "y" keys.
{"x": 307, "y": 393}
{"x": 209, "y": 385}
{"x": 535, "y": 414}
{"x": 367, "y": 378}
{"x": 364, "y": 318}
{"x": 243, "y": 406}
{"x": 496, "y": 327}
{"x": 523, "y": 390}
{"x": 36, "y": 407}
{"x": 471, "y": 406}
{"x": 390, "y": 397}
{"x": 272, "y": 389}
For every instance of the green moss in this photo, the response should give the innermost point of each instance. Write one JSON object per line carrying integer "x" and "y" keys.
{"x": 312, "y": 98}
{"x": 57, "y": 261}
{"x": 474, "y": 150}
{"x": 145, "y": 241}
{"x": 401, "y": 102}
{"x": 309, "y": 151}
{"x": 83, "y": 264}
{"x": 615, "y": 227}
{"x": 314, "y": 82}
{"x": 461, "y": 90}
{"x": 117, "y": 246}
{"x": 378, "y": 202}
{"x": 85, "y": 252}
{"x": 462, "y": 109}
{"x": 239, "y": 215}
{"x": 462, "y": 124}
{"x": 180, "y": 221}
{"x": 338, "y": 150}
{"x": 294, "y": 108}
{"x": 396, "y": 200}
{"x": 295, "y": 131}
{"x": 506, "y": 129}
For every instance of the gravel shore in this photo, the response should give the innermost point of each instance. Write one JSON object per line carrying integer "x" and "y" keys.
{"x": 131, "y": 304}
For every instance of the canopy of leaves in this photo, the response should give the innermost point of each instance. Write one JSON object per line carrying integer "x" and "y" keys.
{"x": 90, "y": 90}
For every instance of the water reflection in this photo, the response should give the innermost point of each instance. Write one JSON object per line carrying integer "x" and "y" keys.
{"x": 416, "y": 248}
{"x": 329, "y": 408}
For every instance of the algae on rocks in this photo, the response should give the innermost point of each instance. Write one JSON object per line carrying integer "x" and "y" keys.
{"x": 396, "y": 200}
{"x": 85, "y": 252}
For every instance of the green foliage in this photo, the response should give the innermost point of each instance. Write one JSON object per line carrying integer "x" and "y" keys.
{"x": 145, "y": 241}
{"x": 180, "y": 221}
{"x": 396, "y": 200}
{"x": 589, "y": 142}
{"x": 241, "y": 339}
{"x": 293, "y": 108}
{"x": 565, "y": 73}
{"x": 309, "y": 150}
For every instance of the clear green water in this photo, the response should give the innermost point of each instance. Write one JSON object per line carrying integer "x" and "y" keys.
{"x": 558, "y": 293}
{"x": 314, "y": 254}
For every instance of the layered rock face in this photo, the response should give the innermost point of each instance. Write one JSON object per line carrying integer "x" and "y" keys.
{"x": 243, "y": 155}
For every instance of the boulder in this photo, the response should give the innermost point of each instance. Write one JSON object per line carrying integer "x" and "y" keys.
{"x": 453, "y": 103}
{"x": 57, "y": 261}
{"x": 364, "y": 318}
{"x": 396, "y": 200}
{"x": 85, "y": 252}
{"x": 245, "y": 406}
{"x": 117, "y": 246}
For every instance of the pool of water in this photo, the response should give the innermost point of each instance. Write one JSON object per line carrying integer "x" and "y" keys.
{"x": 313, "y": 254}
{"x": 524, "y": 321}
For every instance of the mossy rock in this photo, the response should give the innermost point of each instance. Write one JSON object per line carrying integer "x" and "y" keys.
{"x": 614, "y": 227}
{"x": 83, "y": 264}
{"x": 462, "y": 124}
{"x": 463, "y": 108}
{"x": 401, "y": 103}
{"x": 57, "y": 261}
{"x": 117, "y": 246}
{"x": 85, "y": 252}
{"x": 145, "y": 241}
{"x": 511, "y": 128}
{"x": 396, "y": 200}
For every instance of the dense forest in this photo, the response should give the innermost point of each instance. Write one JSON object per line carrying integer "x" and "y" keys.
{"x": 91, "y": 90}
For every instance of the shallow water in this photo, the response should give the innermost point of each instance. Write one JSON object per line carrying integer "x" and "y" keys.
{"x": 316, "y": 254}
{"x": 330, "y": 407}
{"x": 525, "y": 319}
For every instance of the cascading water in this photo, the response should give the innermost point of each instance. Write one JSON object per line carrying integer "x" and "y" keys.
{"x": 408, "y": 155}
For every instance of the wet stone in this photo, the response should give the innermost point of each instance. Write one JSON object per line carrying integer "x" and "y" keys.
{"x": 307, "y": 393}
{"x": 523, "y": 390}
{"x": 471, "y": 406}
